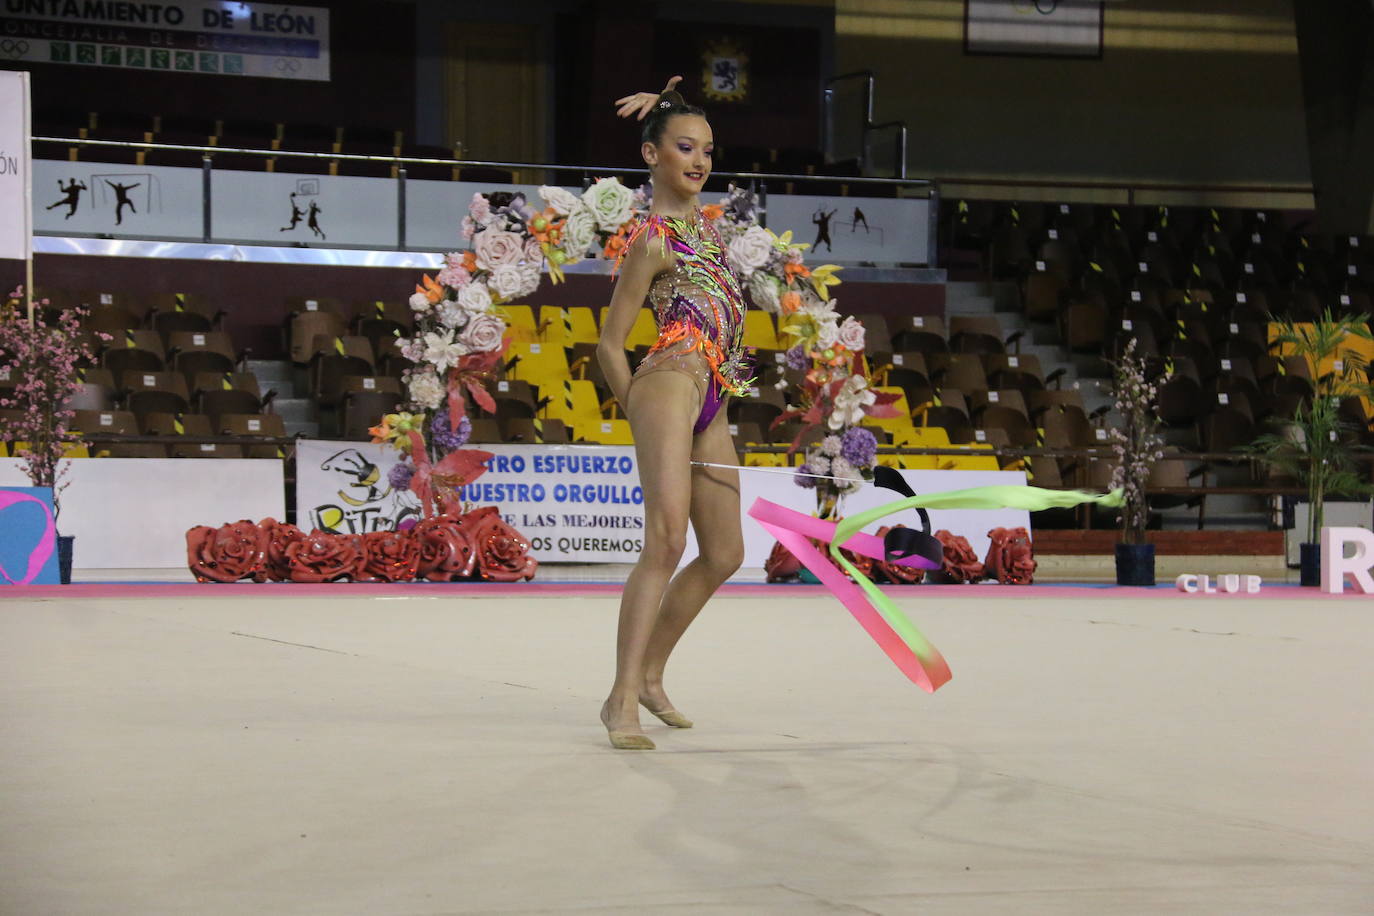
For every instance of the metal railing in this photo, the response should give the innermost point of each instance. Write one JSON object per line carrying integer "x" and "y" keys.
{"x": 867, "y": 126}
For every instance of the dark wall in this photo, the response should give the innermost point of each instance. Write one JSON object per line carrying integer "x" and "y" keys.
{"x": 372, "y": 67}
{"x": 607, "y": 50}
{"x": 1186, "y": 92}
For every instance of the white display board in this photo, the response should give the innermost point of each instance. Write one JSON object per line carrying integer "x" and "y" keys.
{"x": 16, "y": 228}
{"x": 883, "y": 230}
{"x": 584, "y": 504}
{"x": 133, "y": 513}
{"x": 435, "y": 209}
{"x": 107, "y": 198}
{"x": 283, "y": 208}
{"x": 1057, "y": 28}
{"x": 205, "y": 37}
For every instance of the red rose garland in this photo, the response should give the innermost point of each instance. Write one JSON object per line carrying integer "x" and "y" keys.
{"x": 1010, "y": 559}
{"x": 441, "y": 549}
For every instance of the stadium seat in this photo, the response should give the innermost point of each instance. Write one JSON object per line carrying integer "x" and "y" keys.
{"x": 133, "y": 349}
{"x": 538, "y": 363}
{"x": 574, "y": 401}
{"x": 567, "y": 326}
{"x": 604, "y": 432}
{"x": 364, "y": 408}
{"x": 166, "y": 424}
{"x": 514, "y": 398}
{"x": 96, "y": 422}
{"x": 154, "y": 392}
{"x": 521, "y": 324}
{"x": 762, "y": 405}
{"x": 921, "y": 334}
{"x": 759, "y": 330}
{"x": 204, "y": 450}
{"x": 190, "y": 352}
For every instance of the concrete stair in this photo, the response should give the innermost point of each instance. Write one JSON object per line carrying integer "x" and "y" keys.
{"x": 1086, "y": 375}
{"x": 299, "y": 414}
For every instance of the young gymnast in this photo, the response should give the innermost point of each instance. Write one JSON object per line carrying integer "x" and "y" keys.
{"x": 675, "y": 402}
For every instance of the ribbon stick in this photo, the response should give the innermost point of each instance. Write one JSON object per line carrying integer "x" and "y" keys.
{"x": 894, "y": 633}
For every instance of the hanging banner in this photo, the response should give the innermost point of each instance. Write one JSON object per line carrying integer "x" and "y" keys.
{"x": 16, "y": 175}
{"x": 583, "y": 503}
{"x": 1053, "y": 28}
{"x": 573, "y": 503}
{"x": 190, "y": 36}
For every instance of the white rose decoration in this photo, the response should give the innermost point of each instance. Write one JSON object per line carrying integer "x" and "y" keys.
{"x": 610, "y": 202}
{"x": 579, "y": 232}
{"x": 852, "y": 334}
{"x": 534, "y": 254}
{"x": 495, "y": 247}
{"x": 483, "y": 333}
{"x": 560, "y": 200}
{"x": 511, "y": 281}
{"x": 763, "y": 289}
{"x": 475, "y": 297}
{"x": 426, "y": 391}
{"x": 419, "y": 302}
{"x": 827, "y": 335}
{"x": 751, "y": 249}
{"x": 451, "y": 314}
{"x": 529, "y": 279}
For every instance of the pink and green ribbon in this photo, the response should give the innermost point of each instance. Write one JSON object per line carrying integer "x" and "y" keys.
{"x": 894, "y": 633}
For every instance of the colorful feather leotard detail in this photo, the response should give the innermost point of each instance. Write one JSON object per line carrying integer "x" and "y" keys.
{"x": 699, "y": 308}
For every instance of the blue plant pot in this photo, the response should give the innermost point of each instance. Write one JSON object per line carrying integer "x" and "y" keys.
{"x": 1310, "y": 560}
{"x": 1135, "y": 565}
{"x": 64, "y": 557}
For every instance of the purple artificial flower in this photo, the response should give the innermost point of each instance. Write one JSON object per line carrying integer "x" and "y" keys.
{"x": 400, "y": 474}
{"x": 444, "y": 435}
{"x": 803, "y": 481}
{"x": 859, "y": 447}
{"x": 796, "y": 358}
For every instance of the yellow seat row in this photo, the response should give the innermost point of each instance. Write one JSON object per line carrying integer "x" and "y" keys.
{"x": 566, "y": 326}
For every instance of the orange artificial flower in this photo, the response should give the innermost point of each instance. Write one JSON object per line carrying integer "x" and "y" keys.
{"x": 552, "y": 227}
{"x": 790, "y": 302}
{"x": 796, "y": 270}
{"x": 614, "y": 246}
{"x": 470, "y": 261}
{"x": 431, "y": 290}
{"x": 713, "y": 211}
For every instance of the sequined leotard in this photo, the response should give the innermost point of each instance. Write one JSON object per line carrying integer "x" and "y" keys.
{"x": 700, "y": 312}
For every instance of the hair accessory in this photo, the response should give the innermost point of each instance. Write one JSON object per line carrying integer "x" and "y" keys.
{"x": 665, "y": 104}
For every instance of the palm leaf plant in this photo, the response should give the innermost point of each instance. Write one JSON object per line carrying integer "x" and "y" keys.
{"x": 1316, "y": 446}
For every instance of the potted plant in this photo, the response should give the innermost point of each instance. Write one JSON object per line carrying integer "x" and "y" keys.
{"x": 1136, "y": 445}
{"x": 39, "y": 359}
{"x": 1314, "y": 446}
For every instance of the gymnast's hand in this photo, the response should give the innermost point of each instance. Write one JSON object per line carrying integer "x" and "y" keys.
{"x": 641, "y": 103}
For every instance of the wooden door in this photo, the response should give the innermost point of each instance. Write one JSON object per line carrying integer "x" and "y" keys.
{"x": 494, "y": 77}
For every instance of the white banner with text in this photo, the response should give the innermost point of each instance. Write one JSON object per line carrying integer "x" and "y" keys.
{"x": 209, "y": 37}
{"x": 584, "y": 504}
{"x": 16, "y": 176}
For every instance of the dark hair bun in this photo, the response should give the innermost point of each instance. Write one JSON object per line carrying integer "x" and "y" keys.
{"x": 669, "y": 103}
